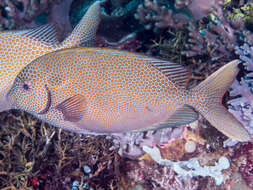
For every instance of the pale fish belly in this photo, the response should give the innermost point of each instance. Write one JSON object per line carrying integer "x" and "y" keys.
{"x": 134, "y": 117}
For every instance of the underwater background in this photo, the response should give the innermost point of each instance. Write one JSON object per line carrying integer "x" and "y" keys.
{"x": 203, "y": 36}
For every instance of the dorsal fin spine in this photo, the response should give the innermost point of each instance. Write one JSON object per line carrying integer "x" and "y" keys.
{"x": 46, "y": 34}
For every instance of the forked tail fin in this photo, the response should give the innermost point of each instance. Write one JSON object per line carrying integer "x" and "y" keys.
{"x": 213, "y": 89}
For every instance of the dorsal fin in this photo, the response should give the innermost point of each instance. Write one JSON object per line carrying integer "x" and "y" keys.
{"x": 46, "y": 33}
{"x": 85, "y": 32}
{"x": 175, "y": 72}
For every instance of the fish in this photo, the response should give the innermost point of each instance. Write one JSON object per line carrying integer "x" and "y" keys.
{"x": 108, "y": 91}
{"x": 18, "y": 48}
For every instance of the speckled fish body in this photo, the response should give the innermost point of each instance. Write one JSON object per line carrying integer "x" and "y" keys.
{"x": 109, "y": 91}
{"x": 18, "y": 48}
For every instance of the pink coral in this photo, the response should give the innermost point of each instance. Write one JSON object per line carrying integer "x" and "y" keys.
{"x": 242, "y": 105}
{"x": 22, "y": 13}
{"x": 198, "y": 8}
{"x": 246, "y": 166}
{"x": 154, "y": 16}
{"x": 218, "y": 40}
{"x": 153, "y": 176}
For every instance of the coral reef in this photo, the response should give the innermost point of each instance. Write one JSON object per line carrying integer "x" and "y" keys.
{"x": 163, "y": 14}
{"x": 242, "y": 106}
{"x": 202, "y": 35}
{"x": 155, "y": 16}
{"x": 32, "y": 158}
{"x": 192, "y": 166}
{"x": 130, "y": 144}
{"x": 25, "y": 14}
{"x": 150, "y": 175}
{"x": 206, "y": 44}
{"x": 244, "y": 153}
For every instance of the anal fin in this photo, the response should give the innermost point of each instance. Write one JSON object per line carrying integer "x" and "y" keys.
{"x": 184, "y": 115}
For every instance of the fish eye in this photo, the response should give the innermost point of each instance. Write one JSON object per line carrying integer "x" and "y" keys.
{"x": 26, "y": 86}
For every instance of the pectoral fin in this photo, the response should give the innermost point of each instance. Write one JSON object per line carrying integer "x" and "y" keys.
{"x": 73, "y": 108}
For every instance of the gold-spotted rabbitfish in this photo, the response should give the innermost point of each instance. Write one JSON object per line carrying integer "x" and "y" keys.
{"x": 110, "y": 91}
{"x": 18, "y": 48}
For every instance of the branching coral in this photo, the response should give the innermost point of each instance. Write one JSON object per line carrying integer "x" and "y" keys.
{"x": 204, "y": 45}
{"x": 155, "y": 16}
{"x": 218, "y": 36}
{"x": 217, "y": 40}
{"x": 197, "y": 8}
{"x": 30, "y": 157}
{"x": 20, "y": 14}
{"x": 209, "y": 43}
{"x": 130, "y": 144}
{"x": 242, "y": 107}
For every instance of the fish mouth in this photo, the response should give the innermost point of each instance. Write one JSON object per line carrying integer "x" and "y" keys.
{"x": 11, "y": 98}
{"x": 49, "y": 102}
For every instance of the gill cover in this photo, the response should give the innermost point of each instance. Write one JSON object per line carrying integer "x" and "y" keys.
{"x": 34, "y": 98}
